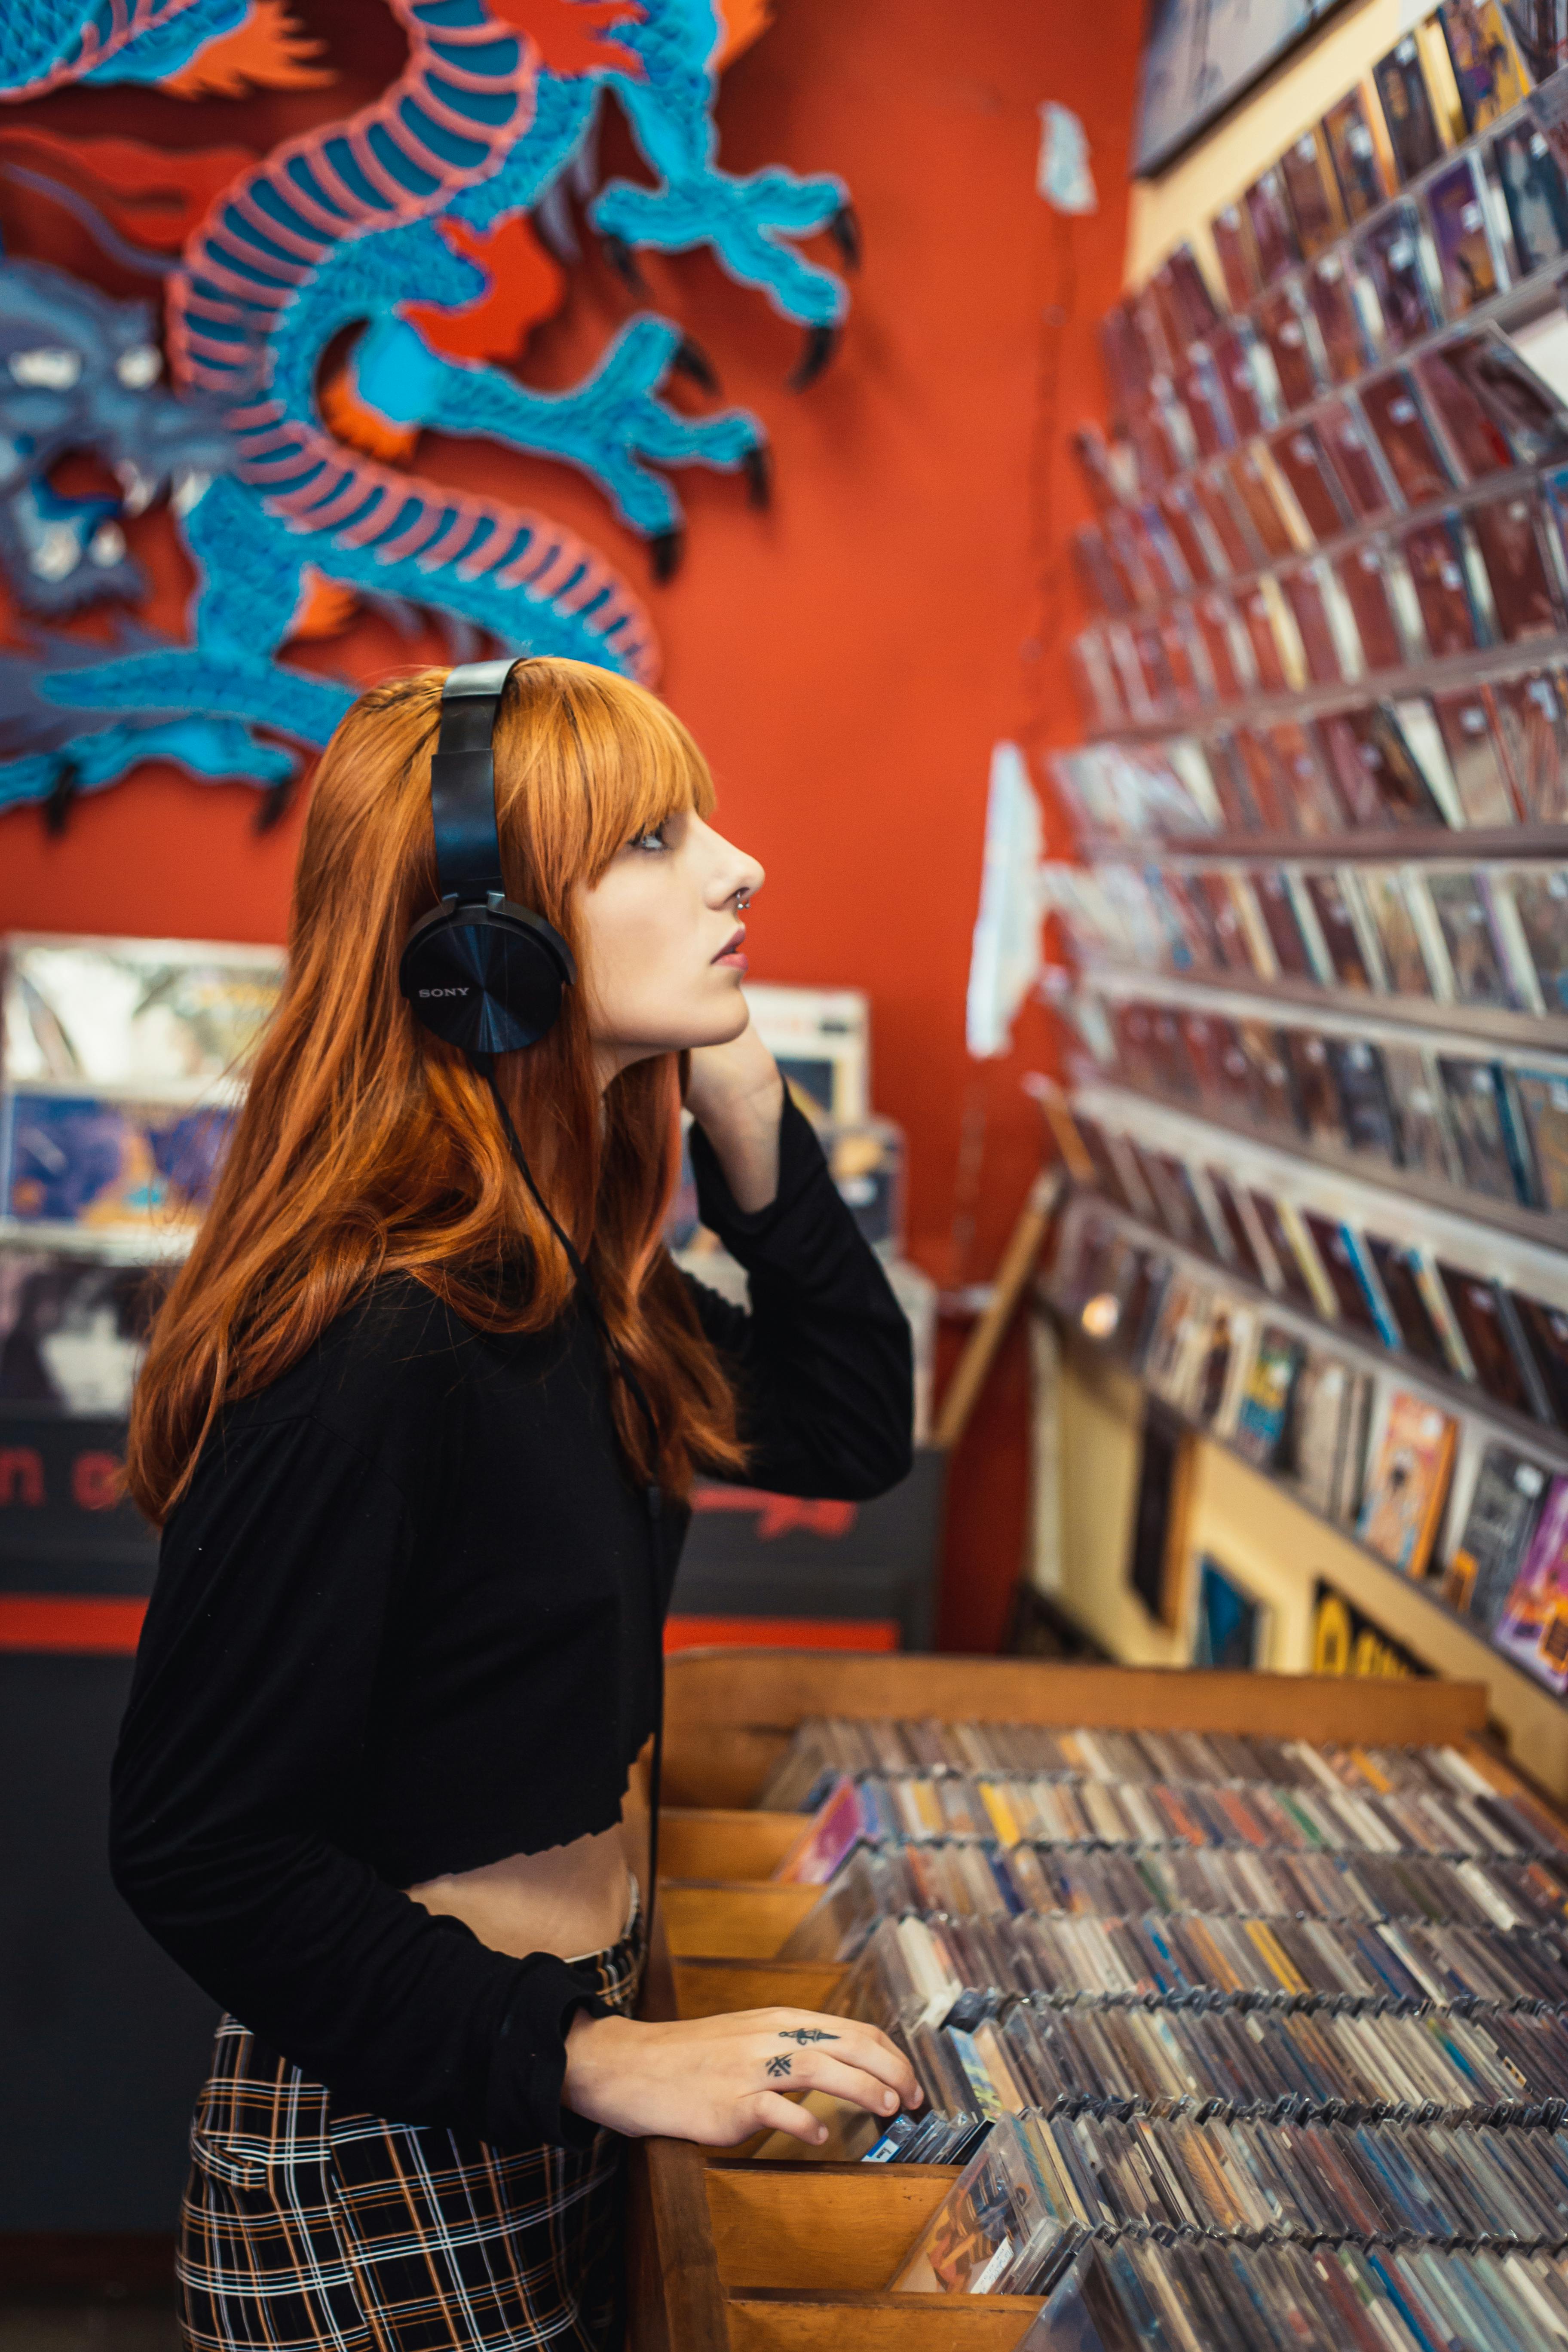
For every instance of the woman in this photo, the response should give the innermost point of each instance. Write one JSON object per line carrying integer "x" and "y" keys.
{"x": 403, "y": 1651}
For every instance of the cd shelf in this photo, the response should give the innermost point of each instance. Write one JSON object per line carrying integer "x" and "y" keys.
{"x": 1418, "y": 844}
{"x": 1451, "y": 1396}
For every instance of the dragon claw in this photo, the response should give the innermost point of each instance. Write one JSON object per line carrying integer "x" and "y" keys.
{"x": 759, "y": 467}
{"x": 62, "y": 795}
{"x": 666, "y": 549}
{"x": 623, "y": 262}
{"x": 844, "y": 228}
{"x": 821, "y": 342}
{"x": 689, "y": 359}
{"x": 275, "y": 803}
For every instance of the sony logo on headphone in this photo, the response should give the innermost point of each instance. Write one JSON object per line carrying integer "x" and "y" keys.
{"x": 443, "y": 991}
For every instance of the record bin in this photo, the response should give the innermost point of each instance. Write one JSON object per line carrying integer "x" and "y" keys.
{"x": 730, "y": 2254}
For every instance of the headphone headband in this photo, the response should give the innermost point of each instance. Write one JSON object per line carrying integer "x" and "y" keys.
{"x": 463, "y": 782}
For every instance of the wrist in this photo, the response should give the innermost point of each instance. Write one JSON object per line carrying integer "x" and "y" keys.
{"x": 597, "y": 2051}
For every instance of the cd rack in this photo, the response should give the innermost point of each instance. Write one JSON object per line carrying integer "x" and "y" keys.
{"x": 734, "y": 2251}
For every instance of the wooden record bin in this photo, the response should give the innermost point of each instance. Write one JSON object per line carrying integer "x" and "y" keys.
{"x": 730, "y": 2254}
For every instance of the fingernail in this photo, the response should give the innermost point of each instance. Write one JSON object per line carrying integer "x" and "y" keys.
{"x": 889, "y": 2100}
{"x": 821, "y": 2134}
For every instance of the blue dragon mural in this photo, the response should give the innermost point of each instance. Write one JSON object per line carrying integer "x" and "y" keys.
{"x": 305, "y": 327}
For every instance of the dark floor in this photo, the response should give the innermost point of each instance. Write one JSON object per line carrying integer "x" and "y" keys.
{"x": 105, "y": 2325}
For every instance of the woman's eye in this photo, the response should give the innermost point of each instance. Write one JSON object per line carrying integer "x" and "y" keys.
{"x": 652, "y": 838}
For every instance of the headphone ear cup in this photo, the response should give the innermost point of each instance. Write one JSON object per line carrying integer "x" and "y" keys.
{"x": 486, "y": 979}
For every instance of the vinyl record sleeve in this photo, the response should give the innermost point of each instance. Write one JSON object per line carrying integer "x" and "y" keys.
{"x": 1277, "y": 905}
{"x": 1314, "y": 805}
{"x": 1409, "y": 448}
{"x": 1245, "y": 1254}
{"x": 1519, "y": 401}
{"x": 1379, "y": 778}
{"x": 1212, "y": 887}
{"x": 1318, "y": 1102}
{"x": 1366, "y": 1105}
{"x": 1532, "y": 717}
{"x": 1504, "y": 1509}
{"x": 1331, "y": 902}
{"x": 1255, "y": 492}
{"x": 1219, "y": 512}
{"x": 1425, "y": 1133}
{"x": 1245, "y": 372}
{"x": 1233, "y": 251}
{"x": 1408, "y": 1483}
{"x": 1528, "y": 1622}
{"x": 1509, "y": 534}
{"x": 1463, "y": 917}
{"x": 1274, "y": 239}
{"x": 1539, "y": 895}
{"x": 1259, "y": 618}
{"x": 1486, "y": 65}
{"x": 1390, "y": 256}
{"x": 1201, "y": 390}
{"x": 1342, "y": 332}
{"x": 1094, "y": 680}
{"x": 1399, "y": 1270}
{"x": 1314, "y": 197}
{"x": 1467, "y": 262}
{"x": 1290, "y": 332}
{"x": 1339, "y": 1262}
{"x": 1225, "y": 648}
{"x": 1274, "y": 1097}
{"x": 1535, "y": 192}
{"x": 1542, "y": 1098}
{"x": 72, "y": 1330}
{"x": 1266, "y": 1399}
{"x": 1293, "y": 1281}
{"x": 1299, "y": 456}
{"x": 1476, "y": 1108}
{"x": 1398, "y": 940}
{"x": 1479, "y": 446}
{"x": 1362, "y": 578}
{"x": 1200, "y": 551}
{"x": 1347, "y": 443}
{"x": 1265, "y": 786}
{"x": 1544, "y": 1330}
{"x": 1362, "y": 163}
{"x": 1407, "y": 109}
{"x": 1435, "y": 552}
{"x": 150, "y": 1014}
{"x": 1478, "y": 1310}
{"x": 113, "y": 1166}
{"x": 1315, "y": 1431}
{"x": 1473, "y": 741}
{"x": 1323, "y": 624}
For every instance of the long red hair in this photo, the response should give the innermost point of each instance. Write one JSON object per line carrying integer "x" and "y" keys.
{"x": 366, "y": 1147}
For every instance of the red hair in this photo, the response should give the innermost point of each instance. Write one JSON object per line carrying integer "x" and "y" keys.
{"x": 366, "y": 1147}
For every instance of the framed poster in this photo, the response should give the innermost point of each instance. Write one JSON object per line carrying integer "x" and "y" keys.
{"x": 1199, "y": 56}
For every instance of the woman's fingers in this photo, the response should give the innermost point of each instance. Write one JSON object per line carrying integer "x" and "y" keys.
{"x": 788, "y": 2051}
{"x": 774, "y": 2114}
{"x": 851, "y": 2083}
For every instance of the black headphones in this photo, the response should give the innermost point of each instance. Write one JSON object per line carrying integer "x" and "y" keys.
{"x": 481, "y": 973}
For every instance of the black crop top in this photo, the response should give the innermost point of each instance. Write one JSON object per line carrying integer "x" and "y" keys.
{"x": 402, "y": 1627}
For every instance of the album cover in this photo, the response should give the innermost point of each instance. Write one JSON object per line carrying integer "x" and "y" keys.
{"x": 1542, "y": 1098}
{"x": 1533, "y": 715}
{"x": 1466, "y": 265}
{"x": 1362, "y": 163}
{"x": 1315, "y": 1432}
{"x": 1508, "y": 532}
{"x": 1378, "y": 776}
{"x": 1366, "y": 1105}
{"x": 1225, "y": 649}
{"x": 72, "y": 1330}
{"x": 1544, "y": 1332}
{"x": 1299, "y": 454}
{"x": 1175, "y": 1339}
{"x": 1400, "y": 428}
{"x": 1273, "y": 1096}
{"x": 1312, "y": 1087}
{"x": 1479, "y": 446}
{"x": 1233, "y": 251}
{"x": 1266, "y": 790}
{"x": 1186, "y": 305}
{"x": 1464, "y": 919}
{"x": 1108, "y": 1169}
{"x": 1212, "y": 887}
{"x": 1277, "y": 907}
{"x": 147, "y": 1014}
{"x": 1352, "y": 1300}
{"x": 1523, "y": 408}
{"x": 820, "y": 1038}
{"x": 1474, "y": 745}
{"x": 1219, "y": 512}
{"x": 1244, "y": 1245}
{"x": 1290, "y": 333}
{"x": 1266, "y": 1399}
{"x": 1408, "y": 1484}
{"x": 1200, "y": 551}
{"x": 1293, "y": 1282}
{"x": 1477, "y": 1307}
{"x": 1476, "y": 1107}
{"x": 1233, "y": 773}
{"x": 1308, "y": 791}
{"x": 1183, "y": 1218}
{"x": 1399, "y": 942}
{"x": 1341, "y": 332}
{"x": 1501, "y": 1519}
{"x": 109, "y": 1165}
{"x": 1324, "y": 623}
{"x": 1407, "y": 109}
{"x": 1362, "y": 577}
{"x": 1486, "y": 65}
{"x": 1426, "y": 1135}
{"x": 1231, "y": 1625}
{"x": 1392, "y": 263}
{"x": 1274, "y": 241}
{"x": 1215, "y": 1367}
{"x": 1203, "y": 394}
{"x": 1309, "y": 178}
{"x": 1435, "y": 552}
{"x": 1540, "y": 896}
{"x": 1532, "y": 1623}
{"x": 1095, "y": 683}
{"x": 1250, "y": 479}
{"x": 1535, "y": 192}
{"x": 1405, "y": 1286}
{"x": 1359, "y": 469}
{"x": 1330, "y": 896}
{"x": 1249, "y": 378}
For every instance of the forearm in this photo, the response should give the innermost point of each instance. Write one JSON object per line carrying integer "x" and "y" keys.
{"x": 741, "y": 1120}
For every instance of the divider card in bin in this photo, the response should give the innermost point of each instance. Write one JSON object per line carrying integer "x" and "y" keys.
{"x": 110, "y": 1166}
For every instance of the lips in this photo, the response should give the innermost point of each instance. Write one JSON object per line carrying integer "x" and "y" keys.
{"x": 733, "y": 944}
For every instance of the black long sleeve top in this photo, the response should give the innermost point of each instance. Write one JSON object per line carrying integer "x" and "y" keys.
{"x": 403, "y": 1626}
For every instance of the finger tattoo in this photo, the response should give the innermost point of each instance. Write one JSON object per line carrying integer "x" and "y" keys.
{"x": 779, "y": 2065}
{"x": 805, "y": 2033}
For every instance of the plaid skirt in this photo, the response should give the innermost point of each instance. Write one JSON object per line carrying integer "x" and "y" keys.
{"x": 307, "y": 2231}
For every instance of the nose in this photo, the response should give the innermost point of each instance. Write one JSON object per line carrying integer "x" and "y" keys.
{"x": 737, "y": 876}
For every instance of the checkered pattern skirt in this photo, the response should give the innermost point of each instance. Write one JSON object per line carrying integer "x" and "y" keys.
{"x": 304, "y": 2230}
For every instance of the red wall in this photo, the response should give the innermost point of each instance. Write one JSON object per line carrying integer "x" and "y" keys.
{"x": 847, "y": 660}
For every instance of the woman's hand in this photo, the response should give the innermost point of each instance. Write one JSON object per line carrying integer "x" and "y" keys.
{"x": 717, "y": 2080}
{"x": 736, "y": 1095}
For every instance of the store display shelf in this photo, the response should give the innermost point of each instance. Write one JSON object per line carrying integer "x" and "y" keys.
{"x": 1345, "y": 1011}
{"x": 221, "y": 1093}
{"x": 1476, "y": 1210}
{"x": 114, "y": 1244}
{"x": 1383, "y": 1573}
{"x": 1457, "y": 671}
{"x": 1412, "y": 846}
